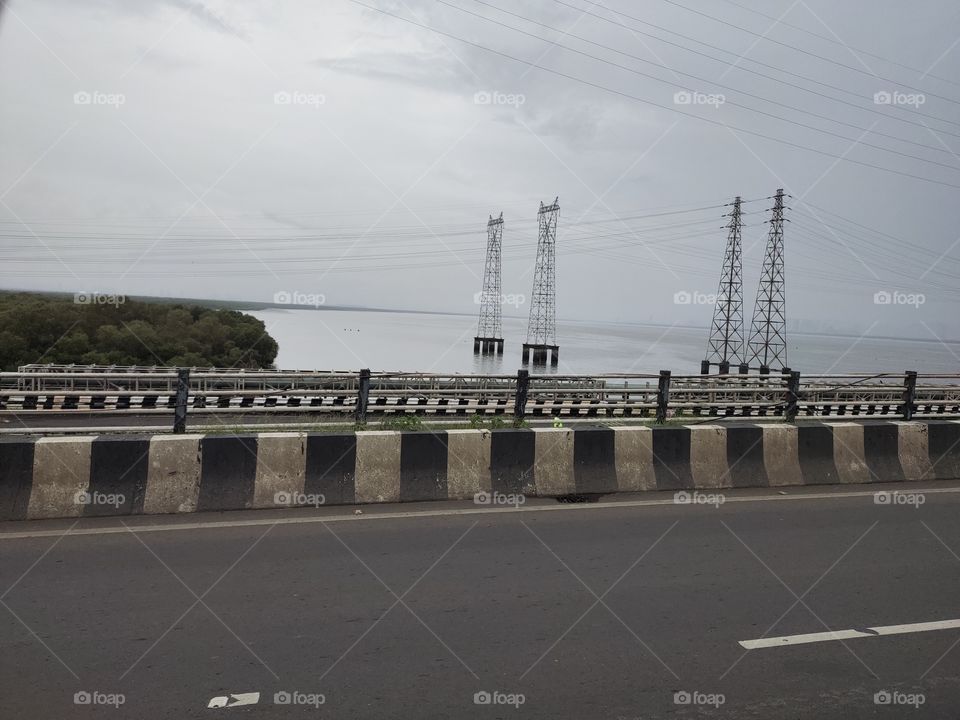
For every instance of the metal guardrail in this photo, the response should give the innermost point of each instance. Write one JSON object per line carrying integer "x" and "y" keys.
{"x": 96, "y": 389}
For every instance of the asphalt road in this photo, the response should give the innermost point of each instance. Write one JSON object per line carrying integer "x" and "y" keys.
{"x": 602, "y": 611}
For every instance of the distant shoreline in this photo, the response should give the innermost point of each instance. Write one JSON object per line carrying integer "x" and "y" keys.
{"x": 248, "y": 305}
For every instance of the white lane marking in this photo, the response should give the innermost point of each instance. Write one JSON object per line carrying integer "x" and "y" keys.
{"x": 234, "y": 700}
{"x": 850, "y": 634}
{"x": 487, "y": 510}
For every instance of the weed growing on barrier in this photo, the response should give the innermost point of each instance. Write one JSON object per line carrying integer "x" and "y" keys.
{"x": 401, "y": 422}
{"x": 479, "y": 422}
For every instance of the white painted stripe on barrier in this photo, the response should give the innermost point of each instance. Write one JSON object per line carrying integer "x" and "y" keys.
{"x": 878, "y": 631}
{"x": 61, "y": 471}
{"x": 553, "y": 461}
{"x": 349, "y": 516}
{"x": 849, "y": 455}
{"x": 708, "y": 456}
{"x": 377, "y": 478}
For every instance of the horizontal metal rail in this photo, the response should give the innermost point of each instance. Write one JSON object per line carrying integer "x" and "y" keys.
{"x": 99, "y": 389}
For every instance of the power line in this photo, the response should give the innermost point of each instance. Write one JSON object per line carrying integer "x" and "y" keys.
{"x": 839, "y": 158}
{"x": 713, "y": 84}
{"x": 740, "y": 57}
{"x": 853, "y": 48}
{"x": 769, "y": 39}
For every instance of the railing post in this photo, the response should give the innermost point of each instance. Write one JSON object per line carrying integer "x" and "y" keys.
{"x": 523, "y": 385}
{"x": 793, "y": 396}
{"x": 180, "y": 405}
{"x": 663, "y": 396}
{"x": 363, "y": 397}
{"x": 909, "y": 393}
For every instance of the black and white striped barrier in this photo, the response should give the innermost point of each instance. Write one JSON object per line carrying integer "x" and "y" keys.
{"x": 55, "y": 477}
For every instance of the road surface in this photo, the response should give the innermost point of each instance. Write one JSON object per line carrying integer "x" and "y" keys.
{"x": 633, "y": 607}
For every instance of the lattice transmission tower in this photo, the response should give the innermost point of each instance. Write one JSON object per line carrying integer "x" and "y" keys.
{"x": 768, "y": 333}
{"x": 542, "y": 327}
{"x": 726, "y": 344}
{"x": 489, "y": 337}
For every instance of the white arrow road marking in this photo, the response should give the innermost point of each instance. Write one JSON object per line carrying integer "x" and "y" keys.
{"x": 849, "y": 634}
{"x": 234, "y": 700}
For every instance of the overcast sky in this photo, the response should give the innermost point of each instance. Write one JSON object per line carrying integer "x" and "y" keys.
{"x": 206, "y": 148}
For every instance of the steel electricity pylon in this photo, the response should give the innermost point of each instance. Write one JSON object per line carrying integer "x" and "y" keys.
{"x": 489, "y": 337}
{"x": 726, "y": 344}
{"x": 542, "y": 328}
{"x": 767, "y": 347}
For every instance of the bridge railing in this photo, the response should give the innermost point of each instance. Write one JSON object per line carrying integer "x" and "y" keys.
{"x": 97, "y": 389}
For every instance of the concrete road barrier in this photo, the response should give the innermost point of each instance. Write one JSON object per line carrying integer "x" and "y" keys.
{"x": 125, "y": 475}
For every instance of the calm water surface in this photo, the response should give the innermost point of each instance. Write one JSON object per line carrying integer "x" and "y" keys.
{"x": 415, "y": 342}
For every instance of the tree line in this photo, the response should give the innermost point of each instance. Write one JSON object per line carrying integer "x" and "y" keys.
{"x": 86, "y": 330}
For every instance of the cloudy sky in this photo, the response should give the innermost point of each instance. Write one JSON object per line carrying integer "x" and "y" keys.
{"x": 354, "y": 150}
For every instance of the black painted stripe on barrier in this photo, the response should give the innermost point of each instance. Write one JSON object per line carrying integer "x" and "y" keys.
{"x": 944, "y": 450}
{"x": 594, "y": 460}
{"x": 423, "y": 466}
{"x": 330, "y": 467}
{"x": 228, "y": 472}
{"x": 745, "y": 457}
{"x": 512, "y": 455}
{"x": 881, "y": 449}
{"x": 671, "y": 458}
{"x": 118, "y": 476}
{"x": 815, "y": 449}
{"x": 16, "y": 477}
